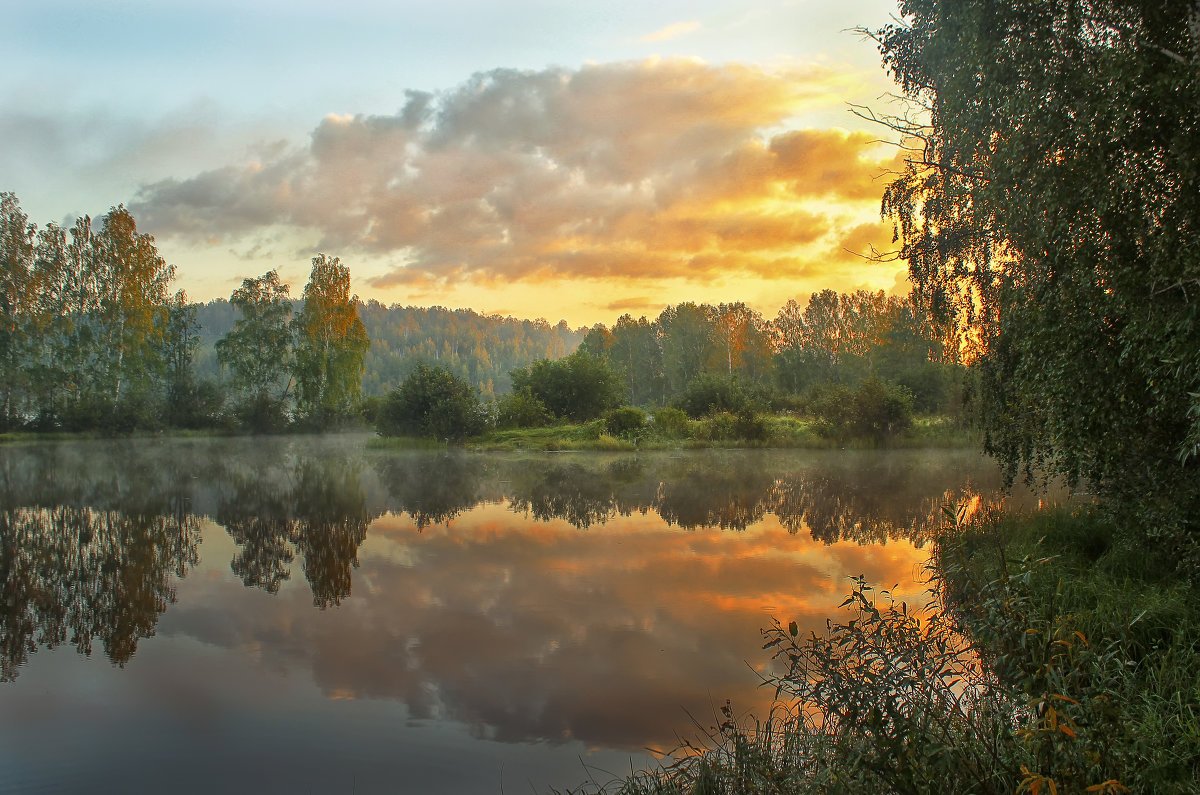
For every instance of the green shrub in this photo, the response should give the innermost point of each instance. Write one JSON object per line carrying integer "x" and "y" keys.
{"x": 671, "y": 423}
{"x": 882, "y": 408}
{"x": 261, "y": 414}
{"x": 369, "y": 409}
{"x": 432, "y": 402}
{"x": 727, "y": 427}
{"x": 196, "y": 404}
{"x": 521, "y": 409}
{"x": 718, "y": 427}
{"x": 875, "y": 409}
{"x": 832, "y": 405}
{"x": 578, "y": 387}
{"x": 710, "y": 394}
{"x": 627, "y": 421}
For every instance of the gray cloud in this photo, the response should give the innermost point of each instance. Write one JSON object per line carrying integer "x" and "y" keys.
{"x": 653, "y": 169}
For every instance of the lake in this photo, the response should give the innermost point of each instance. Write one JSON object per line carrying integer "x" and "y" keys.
{"x": 306, "y": 614}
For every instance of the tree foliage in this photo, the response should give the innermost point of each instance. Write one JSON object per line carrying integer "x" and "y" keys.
{"x": 521, "y": 409}
{"x": 1049, "y": 210}
{"x": 432, "y": 402}
{"x": 83, "y": 324}
{"x": 578, "y": 387}
{"x": 712, "y": 393}
{"x": 331, "y": 342}
{"x": 875, "y": 409}
{"x": 259, "y": 350}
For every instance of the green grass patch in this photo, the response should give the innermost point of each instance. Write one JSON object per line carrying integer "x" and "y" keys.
{"x": 583, "y": 436}
{"x": 719, "y": 431}
{"x": 406, "y": 443}
{"x": 938, "y": 431}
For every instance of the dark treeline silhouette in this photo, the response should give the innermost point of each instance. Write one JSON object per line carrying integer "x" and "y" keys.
{"x": 94, "y": 536}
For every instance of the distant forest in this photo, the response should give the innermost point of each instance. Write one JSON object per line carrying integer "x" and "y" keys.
{"x": 481, "y": 349}
{"x": 93, "y": 338}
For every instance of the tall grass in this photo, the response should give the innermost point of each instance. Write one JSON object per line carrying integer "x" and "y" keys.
{"x": 1050, "y": 658}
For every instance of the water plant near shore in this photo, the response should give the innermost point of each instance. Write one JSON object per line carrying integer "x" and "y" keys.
{"x": 1026, "y": 672}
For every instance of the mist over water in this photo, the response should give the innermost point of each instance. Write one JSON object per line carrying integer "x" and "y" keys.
{"x": 296, "y": 613}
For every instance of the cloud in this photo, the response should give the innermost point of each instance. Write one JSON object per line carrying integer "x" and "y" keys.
{"x": 633, "y": 302}
{"x": 646, "y": 170}
{"x": 482, "y": 623}
{"x": 672, "y": 31}
{"x": 864, "y": 242}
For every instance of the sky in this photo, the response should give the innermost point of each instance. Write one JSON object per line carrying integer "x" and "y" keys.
{"x": 566, "y": 160}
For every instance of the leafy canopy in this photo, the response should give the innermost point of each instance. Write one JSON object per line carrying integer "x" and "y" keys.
{"x": 1049, "y": 212}
{"x": 432, "y": 402}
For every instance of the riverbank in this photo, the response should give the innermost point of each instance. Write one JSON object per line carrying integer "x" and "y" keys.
{"x": 781, "y": 431}
{"x": 1078, "y": 673}
{"x": 719, "y": 432}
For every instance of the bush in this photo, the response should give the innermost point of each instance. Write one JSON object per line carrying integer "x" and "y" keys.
{"x": 672, "y": 423}
{"x": 521, "y": 409}
{"x": 727, "y": 427}
{"x": 369, "y": 409}
{"x": 709, "y": 394}
{"x": 717, "y": 427}
{"x": 197, "y": 404}
{"x": 876, "y": 409}
{"x": 833, "y": 407}
{"x": 750, "y": 426}
{"x": 627, "y": 421}
{"x": 579, "y": 387}
{"x": 261, "y": 414}
{"x": 882, "y": 408}
{"x": 432, "y": 402}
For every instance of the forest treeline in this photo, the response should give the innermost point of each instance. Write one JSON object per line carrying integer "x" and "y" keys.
{"x": 482, "y": 349}
{"x": 859, "y": 364}
{"x": 836, "y": 339}
{"x": 94, "y": 337}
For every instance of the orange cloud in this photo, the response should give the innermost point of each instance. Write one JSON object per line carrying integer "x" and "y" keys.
{"x": 861, "y": 242}
{"x": 634, "y": 302}
{"x": 661, "y": 169}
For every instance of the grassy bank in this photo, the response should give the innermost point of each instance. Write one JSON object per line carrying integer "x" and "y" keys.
{"x": 1098, "y": 634}
{"x": 719, "y": 431}
{"x": 1056, "y": 658}
{"x": 30, "y": 437}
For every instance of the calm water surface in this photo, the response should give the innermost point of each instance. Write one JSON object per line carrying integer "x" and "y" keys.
{"x": 308, "y": 615}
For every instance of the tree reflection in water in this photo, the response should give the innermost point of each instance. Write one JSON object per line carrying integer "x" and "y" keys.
{"x": 434, "y": 488}
{"x": 86, "y": 554}
{"x": 94, "y": 535}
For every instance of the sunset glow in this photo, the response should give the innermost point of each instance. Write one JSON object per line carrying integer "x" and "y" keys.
{"x": 607, "y": 167}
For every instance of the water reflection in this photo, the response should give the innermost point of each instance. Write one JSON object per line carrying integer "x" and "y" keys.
{"x": 88, "y": 552}
{"x": 434, "y": 488}
{"x": 575, "y": 602}
{"x": 93, "y": 537}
